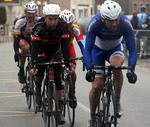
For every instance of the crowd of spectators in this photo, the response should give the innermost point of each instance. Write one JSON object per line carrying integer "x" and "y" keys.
{"x": 141, "y": 25}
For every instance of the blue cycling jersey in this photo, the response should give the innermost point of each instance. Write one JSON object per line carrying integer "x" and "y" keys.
{"x": 142, "y": 19}
{"x": 99, "y": 35}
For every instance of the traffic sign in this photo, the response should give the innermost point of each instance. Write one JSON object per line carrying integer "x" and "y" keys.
{"x": 10, "y": 2}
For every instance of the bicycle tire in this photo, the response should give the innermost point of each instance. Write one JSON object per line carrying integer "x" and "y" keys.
{"x": 100, "y": 112}
{"x": 70, "y": 111}
{"x": 28, "y": 87}
{"x": 50, "y": 110}
{"x": 34, "y": 98}
{"x": 111, "y": 113}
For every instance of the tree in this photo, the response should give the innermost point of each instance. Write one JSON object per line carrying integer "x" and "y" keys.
{"x": 2, "y": 15}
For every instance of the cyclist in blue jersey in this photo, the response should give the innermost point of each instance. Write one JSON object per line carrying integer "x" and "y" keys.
{"x": 104, "y": 38}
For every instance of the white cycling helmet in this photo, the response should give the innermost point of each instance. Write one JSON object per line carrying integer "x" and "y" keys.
{"x": 67, "y": 16}
{"x": 31, "y": 7}
{"x": 110, "y": 10}
{"x": 51, "y": 9}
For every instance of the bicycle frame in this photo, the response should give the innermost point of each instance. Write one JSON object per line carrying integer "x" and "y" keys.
{"x": 106, "y": 116}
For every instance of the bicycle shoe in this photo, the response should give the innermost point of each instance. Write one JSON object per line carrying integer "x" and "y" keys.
{"x": 91, "y": 123}
{"x": 61, "y": 118}
{"x": 21, "y": 77}
{"x": 71, "y": 96}
{"x": 119, "y": 110}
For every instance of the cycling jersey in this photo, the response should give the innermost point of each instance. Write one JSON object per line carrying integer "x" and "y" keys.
{"x": 52, "y": 44}
{"x": 142, "y": 19}
{"x": 23, "y": 30}
{"x": 101, "y": 37}
{"x": 76, "y": 33}
{"x": 48, "y": 41}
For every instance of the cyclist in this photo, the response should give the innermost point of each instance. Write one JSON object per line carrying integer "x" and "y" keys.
{"x": 50, "y": 39}
{"x": 22, "y": 36}
{"x": 76, "y": 33}
{"x": 106, "y": 32}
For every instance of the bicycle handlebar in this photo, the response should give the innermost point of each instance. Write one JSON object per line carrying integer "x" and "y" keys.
{"x": 79, "y": 58}
{"x": 111, "y": 67}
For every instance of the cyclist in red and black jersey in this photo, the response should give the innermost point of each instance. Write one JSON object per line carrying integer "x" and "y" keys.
{"x": 50, "y": 39}
{"x": 22, "y": 36}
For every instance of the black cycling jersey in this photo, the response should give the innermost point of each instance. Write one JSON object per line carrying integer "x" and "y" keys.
{"x": 50, "y": 41}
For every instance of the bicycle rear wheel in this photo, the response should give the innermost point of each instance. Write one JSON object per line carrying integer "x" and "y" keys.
{"x": 28, "y": 87}
{"x": 70, "y": 110}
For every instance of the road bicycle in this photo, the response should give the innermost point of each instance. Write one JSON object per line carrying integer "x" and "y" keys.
{"x": 68, "y": 111}
{"x": 29, "y": 86}
{"x": 50, "y": 108}
{"x": 106, "y": 114}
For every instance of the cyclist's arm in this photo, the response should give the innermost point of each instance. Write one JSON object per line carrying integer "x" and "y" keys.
{"x": 34, "y": 48}
{"x": 90, "y": 39}
{"x": 17, "y": 35}
{"x": 65, "y": 46}
{"x": 130, "y": 43}
{"x": 79, "y": 38}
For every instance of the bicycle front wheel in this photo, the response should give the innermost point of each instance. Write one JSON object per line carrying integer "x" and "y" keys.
{"x": 50, "y": 110}
{"x": 111, "y": 114}
{"x": 28, "y": 87}
{"x": 67, "y": 101}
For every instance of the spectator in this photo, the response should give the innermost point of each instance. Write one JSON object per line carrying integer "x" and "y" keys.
{"x": 142, "y": 24}
{"x": 142, "y": 18}
{"x": 134, "y": 20}
{"x": 148, "y": 20}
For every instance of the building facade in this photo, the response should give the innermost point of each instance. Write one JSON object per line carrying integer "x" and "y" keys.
{"x": 81, "y": 8}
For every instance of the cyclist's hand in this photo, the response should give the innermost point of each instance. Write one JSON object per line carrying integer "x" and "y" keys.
{"x": 90, "y": 76}
{"x": 32, "y": 73}
{"x": 73, "y": 67}
{"x": 132, "y": 77}
{"x": 16, "y": 57}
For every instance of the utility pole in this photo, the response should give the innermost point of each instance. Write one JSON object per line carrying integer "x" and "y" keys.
{"x": 93, "y": 7}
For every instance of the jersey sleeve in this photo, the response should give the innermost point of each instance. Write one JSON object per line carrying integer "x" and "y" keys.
{"x": 79, "y": 38}
{"x": 35, "y": 43}
{"x": 65, "y": 41}
{"x": 90, "y": 39}
{"x": 130, "y": 42}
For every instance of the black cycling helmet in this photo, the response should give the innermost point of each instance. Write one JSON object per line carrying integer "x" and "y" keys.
{"x": 143, "y": 8}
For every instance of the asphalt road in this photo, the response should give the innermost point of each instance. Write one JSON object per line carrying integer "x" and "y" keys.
{"x": 14, "y": 112}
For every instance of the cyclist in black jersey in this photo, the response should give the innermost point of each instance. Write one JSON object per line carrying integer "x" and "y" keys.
{"x": 22, "y": 36}
{"x": 50, "y": 39}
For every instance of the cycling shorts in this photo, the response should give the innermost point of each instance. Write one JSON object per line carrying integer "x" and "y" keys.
{"x": 99, "y": 56}
{"x": 42, "y": 58}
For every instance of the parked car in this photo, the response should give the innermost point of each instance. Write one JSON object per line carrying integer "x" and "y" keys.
{"x": 83, "y": 24}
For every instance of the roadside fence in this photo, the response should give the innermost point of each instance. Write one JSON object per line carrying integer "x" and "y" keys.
{"x": 6, "y": 33}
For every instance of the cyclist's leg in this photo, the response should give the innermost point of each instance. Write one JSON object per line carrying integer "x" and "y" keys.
{"x": 117, "y": 59}
{"x": 97, "y": 84}
{"x": 39, "y": 77}
{"x": 59, "y": 87}
{"x": 24, "y": 46}
{"x": 73, "y": 76}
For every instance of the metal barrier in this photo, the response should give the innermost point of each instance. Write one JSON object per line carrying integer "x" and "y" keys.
{"x": 142, "y": 41}
{"x": 6, "y": 33}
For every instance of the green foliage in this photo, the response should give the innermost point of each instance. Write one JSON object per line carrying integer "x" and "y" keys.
{"x": 2, "y": 15}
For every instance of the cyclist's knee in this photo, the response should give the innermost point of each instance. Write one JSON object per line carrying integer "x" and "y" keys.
{"x": 24, "y": 46}
{"x": 97, "y": 85}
